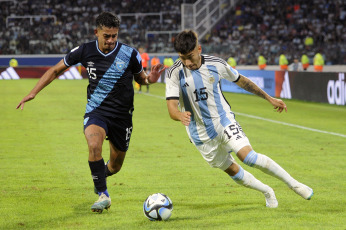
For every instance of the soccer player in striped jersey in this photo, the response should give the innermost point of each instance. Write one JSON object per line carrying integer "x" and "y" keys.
{"x": 111, "y": 66}
{"x": 193, "y": 84}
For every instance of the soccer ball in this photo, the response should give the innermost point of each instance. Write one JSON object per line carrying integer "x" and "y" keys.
{"x": 158, "y": 206}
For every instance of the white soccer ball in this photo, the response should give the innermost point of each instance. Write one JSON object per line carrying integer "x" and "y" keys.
{"x": 158, "y": 206}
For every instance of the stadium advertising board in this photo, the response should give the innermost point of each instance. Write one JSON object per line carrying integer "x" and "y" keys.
{"x": 10, "y": 73}
{"x": 32, "y": 60}
{"x": 264, "y": 79}
{"x": 309, "y": 86}
{"x": 325, "y": 87}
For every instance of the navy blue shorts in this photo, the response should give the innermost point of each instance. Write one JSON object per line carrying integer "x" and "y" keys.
{"x": 118, "y": 130}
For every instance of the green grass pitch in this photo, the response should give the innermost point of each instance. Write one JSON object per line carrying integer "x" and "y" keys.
{"x": 46, "y": 181}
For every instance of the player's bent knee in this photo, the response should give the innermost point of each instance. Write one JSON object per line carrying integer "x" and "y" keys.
{"x": 115, "y": 166}
{"x": 94, "y": 146}
{"x": 115, "y": 169}
{"x": 233, "y": 169}
{"x": 95, "y": 151}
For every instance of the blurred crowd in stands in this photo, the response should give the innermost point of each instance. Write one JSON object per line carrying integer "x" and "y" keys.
{"x": 251, "y": 29}
{"x": 273, "y": 27}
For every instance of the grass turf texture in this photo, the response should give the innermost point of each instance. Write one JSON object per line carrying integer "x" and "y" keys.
{"x": 46, "y": 181}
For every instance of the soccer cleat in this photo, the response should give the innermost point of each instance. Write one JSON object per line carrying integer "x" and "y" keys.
{"x": 303, "y": 191}
{"x": 104, "y": 202}
{"x": 271, "y": 201}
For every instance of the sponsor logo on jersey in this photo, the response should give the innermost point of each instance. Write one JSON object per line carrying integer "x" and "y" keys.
{"x": 90, "y": 63}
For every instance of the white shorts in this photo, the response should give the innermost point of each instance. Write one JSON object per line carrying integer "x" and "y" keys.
{"x": 217, "y": 151}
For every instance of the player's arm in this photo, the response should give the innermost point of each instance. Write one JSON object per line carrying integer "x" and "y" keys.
{"x": 146, "y": 79}
{"x": 251, "y": 87}
{"x": 46, "y": 78}
{"x": 176, "y": 114}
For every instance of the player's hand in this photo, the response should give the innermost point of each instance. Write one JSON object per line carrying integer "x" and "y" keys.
{"x": 156, "y": 72}
{"x": 25, "y": 99}
{"x": 278, "y": 104}
{"x": 185, "y": 118}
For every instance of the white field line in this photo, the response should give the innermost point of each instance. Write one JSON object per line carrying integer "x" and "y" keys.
{"x": 273, "y": 121}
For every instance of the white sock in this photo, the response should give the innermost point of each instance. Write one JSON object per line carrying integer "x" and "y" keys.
{"x": 269, "y": 166}
{"x": 248, "y": 180}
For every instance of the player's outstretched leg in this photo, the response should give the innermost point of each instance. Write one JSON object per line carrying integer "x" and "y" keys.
{"x": 104, "y": 202}
{"x": 270, "y": 167}
{"x": 98, "y": 174}
{"x": 246, "y": 179}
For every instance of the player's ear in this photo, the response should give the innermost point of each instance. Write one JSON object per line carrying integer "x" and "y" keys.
{"x": 199, "y": 49}
{"x": 95, "y": 32}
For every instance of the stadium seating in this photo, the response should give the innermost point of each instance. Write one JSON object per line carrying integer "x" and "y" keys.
{"x": 267, "y": 27}
{"x": 271, "y": 27}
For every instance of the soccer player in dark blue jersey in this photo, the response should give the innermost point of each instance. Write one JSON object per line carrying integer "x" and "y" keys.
{"x": 111, "y": 66}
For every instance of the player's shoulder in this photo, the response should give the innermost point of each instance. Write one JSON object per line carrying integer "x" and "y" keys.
{"x": 175, "y": 68}
{"x": 84, "y": 47}
{"x": 127, "y": 47}
{"x": 209, "y": 59}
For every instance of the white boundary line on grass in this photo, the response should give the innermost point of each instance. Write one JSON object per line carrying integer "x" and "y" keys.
{"x": 292, "y": 125}
{"x": 273, "y": 121}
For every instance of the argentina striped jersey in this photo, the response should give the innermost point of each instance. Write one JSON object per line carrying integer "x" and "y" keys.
{"x": 199, "y": 92}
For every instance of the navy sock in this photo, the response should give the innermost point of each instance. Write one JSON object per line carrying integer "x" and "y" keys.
{"x": 98, "y": 174}
{"x": 105, "y": 192}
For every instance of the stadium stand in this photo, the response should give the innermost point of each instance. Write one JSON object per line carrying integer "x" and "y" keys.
{"x": 268, "y": 27}
{"x": 271, "y": 27}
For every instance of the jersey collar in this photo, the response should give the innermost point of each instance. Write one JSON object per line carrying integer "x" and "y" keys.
{"x": 97, "y": 47}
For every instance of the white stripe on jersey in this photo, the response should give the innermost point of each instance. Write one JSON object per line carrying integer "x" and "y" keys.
{"x": 200, "y": 93}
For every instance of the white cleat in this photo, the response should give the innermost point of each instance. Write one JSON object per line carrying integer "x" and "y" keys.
{"x": 104, "y": 202}
{"x": 303, "y": 191}
{"x": 271, "y": 201}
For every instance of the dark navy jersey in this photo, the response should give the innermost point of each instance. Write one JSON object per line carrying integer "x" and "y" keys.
{"x": 110, "y": 89}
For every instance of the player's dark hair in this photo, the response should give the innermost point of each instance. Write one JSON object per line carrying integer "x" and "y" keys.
{"x": 107, "y": 19}
{"x": 185, "y": 41}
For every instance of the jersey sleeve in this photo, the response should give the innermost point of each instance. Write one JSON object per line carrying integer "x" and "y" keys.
{"x": 136, "y": 62}
{"x": 229, "y": 73}
{"x": 172, "y": 84}
{"x": 74, "y": 56}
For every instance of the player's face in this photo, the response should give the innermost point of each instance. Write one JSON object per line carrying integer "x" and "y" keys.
{"x": 193, "y": 59}
{"x": 107, "y": 38}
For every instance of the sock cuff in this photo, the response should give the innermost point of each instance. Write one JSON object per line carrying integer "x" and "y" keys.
{"x": 99, "y": 162}
{"x": 251, "y": 158}
{"x": 239, "y": 175}
{"x": 105, "y": 192}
